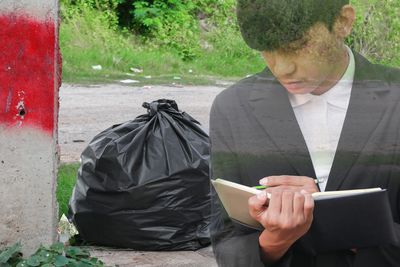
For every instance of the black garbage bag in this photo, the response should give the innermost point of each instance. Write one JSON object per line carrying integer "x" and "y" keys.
{"x": 144, "y": 184}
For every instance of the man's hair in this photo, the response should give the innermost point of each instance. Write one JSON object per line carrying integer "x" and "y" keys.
{"x": 268, "y": 25}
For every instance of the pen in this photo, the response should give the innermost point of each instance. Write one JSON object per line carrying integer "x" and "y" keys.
{"x": 260, "y": 187}
{"x": 318, "y": 181}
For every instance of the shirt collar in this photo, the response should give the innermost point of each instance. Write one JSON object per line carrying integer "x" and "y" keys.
{"x": 338, "y": 95}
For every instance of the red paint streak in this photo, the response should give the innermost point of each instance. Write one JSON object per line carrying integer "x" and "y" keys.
{"x": 28, "y": 76}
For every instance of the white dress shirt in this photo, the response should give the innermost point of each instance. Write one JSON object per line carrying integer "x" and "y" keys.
{"x": 321, "y": 119}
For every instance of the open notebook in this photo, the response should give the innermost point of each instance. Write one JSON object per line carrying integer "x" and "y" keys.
{"x": 342, "y": 219}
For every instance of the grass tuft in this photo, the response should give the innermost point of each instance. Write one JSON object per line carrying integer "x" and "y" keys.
{"x": 67, "y": 174}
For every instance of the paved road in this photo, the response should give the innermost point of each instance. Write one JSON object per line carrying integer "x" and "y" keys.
{"x": 87, "y": 110}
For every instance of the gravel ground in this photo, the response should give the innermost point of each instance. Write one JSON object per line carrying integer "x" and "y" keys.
{"x": 87, "y": 110}
{"x": 129, "y": 258}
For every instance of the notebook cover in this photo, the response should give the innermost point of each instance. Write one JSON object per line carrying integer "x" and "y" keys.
{"x": 347, "y": 222}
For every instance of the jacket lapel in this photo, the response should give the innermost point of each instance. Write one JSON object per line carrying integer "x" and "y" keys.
{"x": 271, "y": 106}
{"x": 365, "y": 111}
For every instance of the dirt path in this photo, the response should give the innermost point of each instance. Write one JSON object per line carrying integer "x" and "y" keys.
{"x": 87, "y": 110}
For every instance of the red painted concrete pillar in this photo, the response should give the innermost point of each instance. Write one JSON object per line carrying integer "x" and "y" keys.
{"x": 30, "y": 71}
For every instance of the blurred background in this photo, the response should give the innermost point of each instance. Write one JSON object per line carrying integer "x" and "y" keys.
{"x": 197, "y": 40}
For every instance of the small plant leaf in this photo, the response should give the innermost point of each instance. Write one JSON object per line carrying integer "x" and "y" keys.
{"x": 60, "y": 261}
{"x": 22, "y": 264}
{"x": 33, "y": 261}
{"x": 75, "y": 252}
{"x": 96, "y": 261}
{"x": 45, "y": 256}
{"x": 49, "y": 257}
{"x": 10, "y": 252}
{"x": 83, "y": 264}
{"x": 86, "y": 261}
{"x": 58, "y": 248}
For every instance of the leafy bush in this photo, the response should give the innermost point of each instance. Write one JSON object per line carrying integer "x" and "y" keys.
{"x": 171, "y": 23}
{"x": 175, "y": 23}
{"x": 105, "y": 14}
{"x": 89, "y": 36}
{"x": 56, "y": 255}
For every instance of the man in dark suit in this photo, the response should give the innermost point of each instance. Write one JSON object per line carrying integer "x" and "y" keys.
{"x": 320, "y": 112}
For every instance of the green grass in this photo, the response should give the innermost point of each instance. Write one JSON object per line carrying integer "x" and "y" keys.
{"x": 87, "y": 40}
{"x": 91, "y": 37}
{"x": 65, "y": 183}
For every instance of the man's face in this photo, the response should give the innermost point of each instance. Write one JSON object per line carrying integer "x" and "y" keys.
{"x": 311, "y": 65}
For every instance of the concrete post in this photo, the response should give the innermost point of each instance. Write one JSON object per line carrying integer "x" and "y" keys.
{"x": 30, "y": 71}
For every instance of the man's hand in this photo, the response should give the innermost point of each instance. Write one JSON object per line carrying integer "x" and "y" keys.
{"x": 292, "y": 183}
{"x": 286, "y": 216}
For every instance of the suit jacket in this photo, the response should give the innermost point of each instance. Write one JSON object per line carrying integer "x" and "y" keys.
{"x": 254, "y": 133}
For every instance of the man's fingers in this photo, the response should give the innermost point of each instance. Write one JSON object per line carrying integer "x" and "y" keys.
{"x": 287, "y": 203}
{"x": 257, "y": 204}
{"x": 283, "y": 188}
{"x": 308, "y": 206}
{"x": 272, "y": 215}
{"x": 275, "y": 203}
{"x": 298, "y": 205}
{"x": 286, "y": 180}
